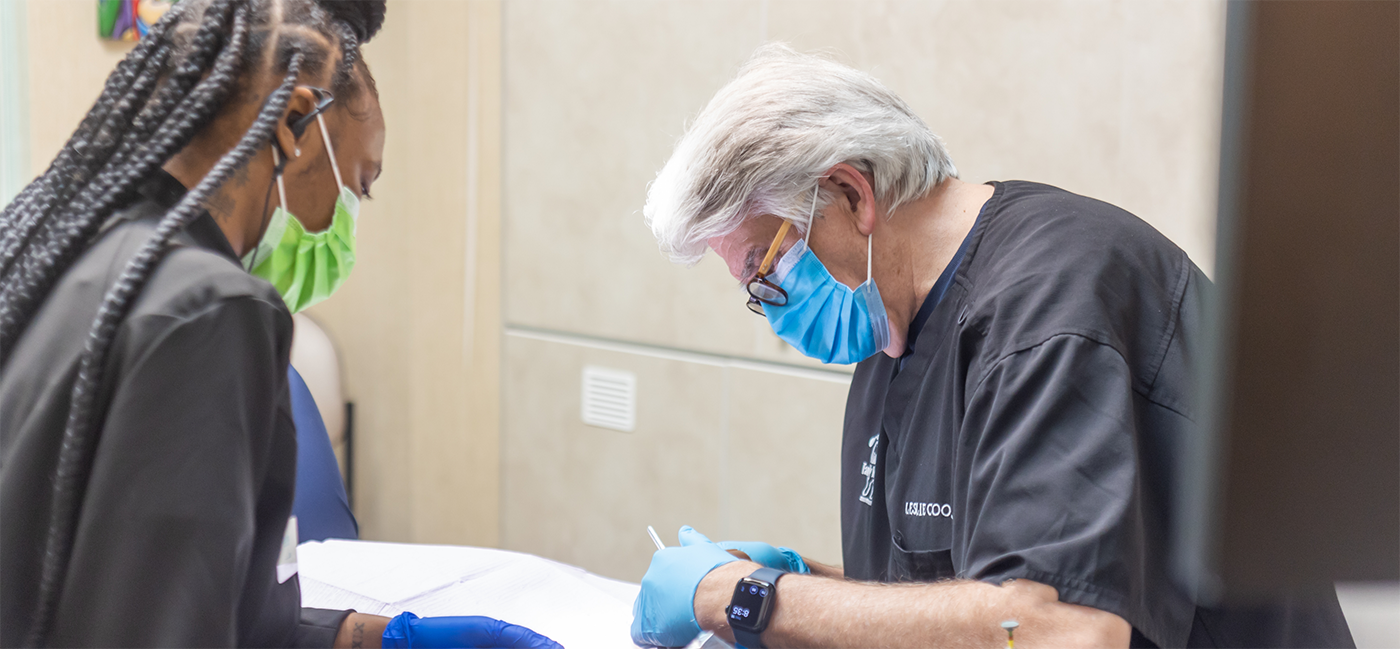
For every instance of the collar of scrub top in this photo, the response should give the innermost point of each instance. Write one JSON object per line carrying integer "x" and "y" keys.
{"x": 166, "y": 191}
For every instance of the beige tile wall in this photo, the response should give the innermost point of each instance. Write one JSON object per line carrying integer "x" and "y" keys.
{"x": 68, "y": 64}
{"x": 597, "y": 92}
{"x": 1117, "y": 99}
{"x": 705, "y": 453}
{"x": 585, "y": 495}
{"x": 784, "y": 461}
{"x": 419, "y": 321}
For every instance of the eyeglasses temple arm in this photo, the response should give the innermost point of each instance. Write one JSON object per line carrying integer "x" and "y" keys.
{"x": 773, "y": 247}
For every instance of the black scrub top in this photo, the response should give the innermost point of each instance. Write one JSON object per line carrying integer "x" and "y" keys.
{"x": 192, "y": 481}
{"x": 1035, "y": 428}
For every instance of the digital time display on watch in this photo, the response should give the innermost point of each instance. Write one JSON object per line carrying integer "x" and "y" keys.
{"x": 749, "y": 608}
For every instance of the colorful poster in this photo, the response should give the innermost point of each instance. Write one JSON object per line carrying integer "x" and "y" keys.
{"x": 129, "y": 20}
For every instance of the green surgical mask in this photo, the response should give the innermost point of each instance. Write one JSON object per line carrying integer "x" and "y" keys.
{"x": 307, "y": 267}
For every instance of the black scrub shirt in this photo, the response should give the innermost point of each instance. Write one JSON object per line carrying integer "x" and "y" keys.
{"x": 1035, "y": 428}
{"x": 192, "y": 481}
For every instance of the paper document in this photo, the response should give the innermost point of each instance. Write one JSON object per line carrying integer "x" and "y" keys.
{"x": 576, "y": 608}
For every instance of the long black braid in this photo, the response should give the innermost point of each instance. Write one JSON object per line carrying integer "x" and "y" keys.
{"x": 171, "y": 86}
{"x": 115, "y": 139}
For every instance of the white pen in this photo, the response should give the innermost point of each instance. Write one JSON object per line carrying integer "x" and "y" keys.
{"x": 655, "y": 539}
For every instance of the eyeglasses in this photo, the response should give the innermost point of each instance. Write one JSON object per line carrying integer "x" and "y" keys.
{"x": 762, "y": 291}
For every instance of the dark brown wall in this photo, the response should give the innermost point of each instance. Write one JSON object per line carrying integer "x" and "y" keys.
{"x": 1311, "y": 488}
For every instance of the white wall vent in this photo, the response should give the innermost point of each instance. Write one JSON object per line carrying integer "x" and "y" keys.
{"x": 609, "y": 398}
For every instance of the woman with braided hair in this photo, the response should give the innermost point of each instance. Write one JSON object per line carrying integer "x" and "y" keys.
{"x": 147, "y": 448}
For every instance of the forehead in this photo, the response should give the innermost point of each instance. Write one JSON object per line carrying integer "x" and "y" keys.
{"x": 359, "y": 102}
{"x": 761, "y": 227}
{"x": 753, "y": 231}
{"x": 361, "y": 125}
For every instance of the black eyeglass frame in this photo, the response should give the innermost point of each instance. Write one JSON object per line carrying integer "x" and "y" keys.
{"x": 756, "y": 303}
{"x": 760, "y": 282}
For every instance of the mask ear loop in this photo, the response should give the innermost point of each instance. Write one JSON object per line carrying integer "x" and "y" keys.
{"x": 330, "y": 151}
{"x": 869, "y": 255}
{"x": 869, "y": 241}
{"x": 281, "y": 186}
{"x": 277, "y": 166}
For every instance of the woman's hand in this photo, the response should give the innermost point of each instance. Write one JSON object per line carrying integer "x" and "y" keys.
{"x": 408, "y": 631}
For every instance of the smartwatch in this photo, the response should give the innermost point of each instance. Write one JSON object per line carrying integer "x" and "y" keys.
{"x": 752, "y": 605}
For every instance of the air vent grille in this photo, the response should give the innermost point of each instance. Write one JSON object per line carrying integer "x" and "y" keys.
{"x": 609, "y": 398}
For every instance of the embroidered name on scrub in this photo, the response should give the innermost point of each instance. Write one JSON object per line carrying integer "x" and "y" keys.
{"x": 928, "y": 509}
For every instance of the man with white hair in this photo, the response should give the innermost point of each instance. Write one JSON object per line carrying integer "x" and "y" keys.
{"x": 1011, "y": 452}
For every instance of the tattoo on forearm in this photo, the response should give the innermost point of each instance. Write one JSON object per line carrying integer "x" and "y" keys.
{"x": 357, "y": 637}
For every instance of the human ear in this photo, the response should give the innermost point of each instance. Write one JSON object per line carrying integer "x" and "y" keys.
{"x": 300, "y": 104}
{"x": 857, "y": 194}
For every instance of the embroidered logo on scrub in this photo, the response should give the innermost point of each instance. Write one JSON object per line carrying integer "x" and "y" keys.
{"x": 867, "y": 469}
{"x": 928, "y": 509}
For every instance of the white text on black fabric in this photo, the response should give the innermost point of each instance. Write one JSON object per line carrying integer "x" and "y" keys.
{"x": 867, "y": 469}
{"x": 928, "y": 509}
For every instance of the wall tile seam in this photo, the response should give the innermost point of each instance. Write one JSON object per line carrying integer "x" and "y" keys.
{"x": 503, "y": 264}
{"x": 726, "y": 511}
{"x": 683, "y": 356}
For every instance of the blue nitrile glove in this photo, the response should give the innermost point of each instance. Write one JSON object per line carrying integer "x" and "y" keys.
{"x": 409, "y": 630}
{"x": 784, "y": 559}
{"x": 664, "y": 613}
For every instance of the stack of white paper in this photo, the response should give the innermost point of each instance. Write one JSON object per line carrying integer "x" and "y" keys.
{"x": 576, "y": 608}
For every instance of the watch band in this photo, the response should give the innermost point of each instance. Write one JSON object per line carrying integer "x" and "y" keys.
{"x": 744, "y": 638}
{"x": 767, "y": 574}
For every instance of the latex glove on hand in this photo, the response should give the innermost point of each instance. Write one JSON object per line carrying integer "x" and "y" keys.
{"x": 664, "y": 613}
{"x": 409, "y": 630}
{"x": 784, "y": 559}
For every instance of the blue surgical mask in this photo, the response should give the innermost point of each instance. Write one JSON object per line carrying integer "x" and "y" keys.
{"x": 823, "y": 318}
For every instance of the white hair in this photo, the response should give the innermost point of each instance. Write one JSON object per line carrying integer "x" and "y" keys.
{"x": 774, "y": 131}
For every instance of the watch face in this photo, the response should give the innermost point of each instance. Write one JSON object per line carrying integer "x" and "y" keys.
{"x": 749, "y": 608}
